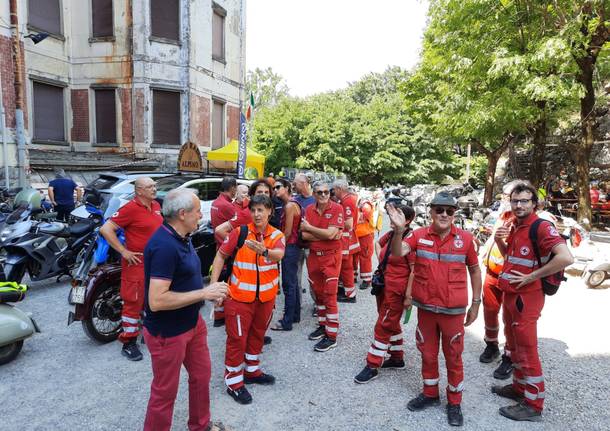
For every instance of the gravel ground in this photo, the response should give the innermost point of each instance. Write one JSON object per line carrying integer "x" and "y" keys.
{"x": 64, "y": 381}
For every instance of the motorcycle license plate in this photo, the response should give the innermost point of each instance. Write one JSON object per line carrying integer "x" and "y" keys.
{"x": 78, "y": 294}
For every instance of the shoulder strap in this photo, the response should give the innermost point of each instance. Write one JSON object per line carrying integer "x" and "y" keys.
{"x": 243, "y": 233}
{"x": 388, "y": 250}
{"x": 533, "y": 235}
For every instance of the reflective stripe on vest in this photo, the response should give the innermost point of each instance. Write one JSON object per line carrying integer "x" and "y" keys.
{"x": 441, "y": 257}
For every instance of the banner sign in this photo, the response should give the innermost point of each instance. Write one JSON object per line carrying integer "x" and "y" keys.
{"x": 242, "y": 149}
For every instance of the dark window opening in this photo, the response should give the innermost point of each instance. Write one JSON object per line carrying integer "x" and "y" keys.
{"x": 105, "y": 116}
{"x": 218, "y": 33}
{"x": 165, "y": 19}
{"x": 48, "y": 112}
{"x": 101, "y": 18}
{"x": 45, "y": 15}
{"x": 218, "y": 125}
{"x": 166, "y": 117}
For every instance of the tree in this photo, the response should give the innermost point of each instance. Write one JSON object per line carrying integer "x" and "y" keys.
{"x": 267, "y": 87}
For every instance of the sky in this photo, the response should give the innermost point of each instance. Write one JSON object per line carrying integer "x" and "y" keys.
{"x": 321, "y": 45}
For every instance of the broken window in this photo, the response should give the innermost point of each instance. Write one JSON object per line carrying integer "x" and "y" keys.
{"x": 105, "y": 116}
{"x": 218, "y": 125}
{"x": 48, "y": 112}
{"x": 165, "y": 19}
{"x": 101, "y": 18}
{"x": 45, "y": 15}
{"x": 166, "y": 117}
{"x": 218, "y": 32}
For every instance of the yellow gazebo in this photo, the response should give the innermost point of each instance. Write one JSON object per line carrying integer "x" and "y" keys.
{"x": 229, "y": 152}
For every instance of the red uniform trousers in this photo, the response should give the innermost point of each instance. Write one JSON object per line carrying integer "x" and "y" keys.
{"x": 346, "y": 274}
{"x": 364, "y": 259}
{"x": 521, "y": 313}
{"x": 323, "y": 275}
{"x": 132, "y": 294}
{"x": 246, "y": 324}
{"x": 167, "y": 357}
{"x": 432, "y": 328}
{"x": 388, "y": 332}
{"x": 492, "y": 301}
{"x": 219, "y": 310}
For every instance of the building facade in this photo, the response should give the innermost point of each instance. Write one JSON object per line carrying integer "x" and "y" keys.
{"x": 120, "y": 83}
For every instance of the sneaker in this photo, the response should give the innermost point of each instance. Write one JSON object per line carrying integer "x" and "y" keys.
{"x": 263, "y": 379}
{"x": 346, "y": 299}
{"x": 393, "y": 363}
{"x": 241, "y": 395}
{"x": 219, "y": 322}
{"x": 320, "y": 332}
{"x": 505, "y": 369}
{"x": 422, "y": 402}
{"x": 131, "y": 351}
{"x": 490, "y": 353}
{"x": 325, "y": 344}
{"x": 267, "y": 340}
{"x": 366, "y": 375}
{"x": 454, "y": 415}
{"x": 521, "y": 412}
{"x": 507, "y": 391}
{"x": 365, "y": 285}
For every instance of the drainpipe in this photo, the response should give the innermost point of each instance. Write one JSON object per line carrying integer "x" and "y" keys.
{"x": 4, "y": 141}
{"x": 18, "y": 60}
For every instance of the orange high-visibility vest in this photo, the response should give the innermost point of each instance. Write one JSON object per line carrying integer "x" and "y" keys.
{"x": 494, "y": 261}
{"x": 365, "y": 227}
{"x": 253, "y": 274}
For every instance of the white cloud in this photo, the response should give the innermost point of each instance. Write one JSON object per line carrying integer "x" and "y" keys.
{"x": 320, "y": 45}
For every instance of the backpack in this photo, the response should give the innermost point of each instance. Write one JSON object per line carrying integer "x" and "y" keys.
{"x": 225, "y": 274}
{"x": 550, "y": 283}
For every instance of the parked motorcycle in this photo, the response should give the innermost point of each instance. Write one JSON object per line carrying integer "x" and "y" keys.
{"x": 597, "y": 270}
{"x": 15, "y": 325}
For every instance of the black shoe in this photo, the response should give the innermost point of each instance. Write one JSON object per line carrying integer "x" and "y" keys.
{"x": 507, "y": 391}
{"x": 241, "y": 395}
{"x": 365, "y": 285}
{"x": 346, "y": 299}
{"x": 219, "y": 322}
{"x": 131, "y": 351}
{"x": 267, "y": 340}
{"x": 263, "y": 379}
{"x": 325, "y": 344}
{"x": 320, "y": 332}
{"x": 490, "y": 353}
{"x": 366, "y": 375}
{"x": 421, "y": 402}
{"x": 454, "y": 415}
{"x": 314, "y": 313}
{"x": 521, "y": 412}
{"x": 393, "y": 363}
{"x": 505, "y": 369}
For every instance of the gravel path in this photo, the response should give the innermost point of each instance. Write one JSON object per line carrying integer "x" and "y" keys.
{"x": 64, "y": 381}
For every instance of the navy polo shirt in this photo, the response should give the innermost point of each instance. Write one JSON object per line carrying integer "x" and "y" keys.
{"x": 169, "y": 256}
{"x": 63, "y": 190}
{"x": 304, "y": 201}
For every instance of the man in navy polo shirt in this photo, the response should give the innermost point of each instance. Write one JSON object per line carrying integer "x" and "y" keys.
{"x": 173, "y": 329}
{"x": 61, "y": 194}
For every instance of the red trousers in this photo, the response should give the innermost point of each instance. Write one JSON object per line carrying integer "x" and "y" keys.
{"x": 492, "y": 301}
{"x": 388, "y": 332}
{"x": 323, "y": 277}
{"x": 432, "y": 329}
{"x": 521, "y": 313}
{"x": 347, "y": 274}
{"x": 132, "y": 294}
{"x": 364, "y": 259}
{"x": 246, "y": 324}
{"x": 219, "y": 312}
{"x": 167, "y": 356}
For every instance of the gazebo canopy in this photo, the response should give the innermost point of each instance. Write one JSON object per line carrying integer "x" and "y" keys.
{"x": 229, "y": 152}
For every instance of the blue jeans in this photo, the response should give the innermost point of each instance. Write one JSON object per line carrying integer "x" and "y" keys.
{"x": 290, "y": 286}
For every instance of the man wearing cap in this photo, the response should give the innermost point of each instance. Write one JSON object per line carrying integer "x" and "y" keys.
{"x": 443, "y": 255}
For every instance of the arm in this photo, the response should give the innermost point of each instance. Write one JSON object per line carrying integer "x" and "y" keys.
{"x": 408, "y": 298}
{"x": 223, "y": 230}
{"x": 308, "y": 237}
{"x": 475, "y": 280}
{"x": 79, "y": 194}
{"x": 399, "y": 248}
{"x": 562, "y": 258}
{"x": 377, "y": 249}
{"x": 349, "y": 224}
{"x": 52, "y": 196}
{"x": 275, "y": 254}
{"x": 217, "y": 265}
{"x": 290, "y": 211}
{"x": 108, "y": 231}
{"x": 161, "y": 298}
{"x": 318, "y": 233}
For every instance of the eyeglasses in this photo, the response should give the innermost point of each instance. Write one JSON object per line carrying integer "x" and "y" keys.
{"x": 322, "y": 192}
{"x": 150, "y": 186}
{"x": 279, "y": 186}
{"x": 440, "y": 210}
{"x": 516, "y": 202}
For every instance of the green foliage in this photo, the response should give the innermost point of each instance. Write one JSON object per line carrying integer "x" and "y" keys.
{"x": 267, "y": 87}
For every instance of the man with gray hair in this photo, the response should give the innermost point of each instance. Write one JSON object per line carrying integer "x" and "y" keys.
{"x": 175, "y": 333}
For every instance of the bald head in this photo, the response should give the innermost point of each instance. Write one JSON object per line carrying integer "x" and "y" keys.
{"x": 146, "y": 189}
{"x": 301, "y": 184}
{"x": 242, "y": 193}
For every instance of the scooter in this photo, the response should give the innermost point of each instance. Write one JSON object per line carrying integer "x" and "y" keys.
{"x": 15, "y": 325}
{"x": 597, "y": 270}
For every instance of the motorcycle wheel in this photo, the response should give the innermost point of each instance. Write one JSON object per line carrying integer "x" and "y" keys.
{"x": 104, "y": 323}
{"x": 10, "y": 352}
{"x": 595, "y": 279}
{"x": 14, "y": 272}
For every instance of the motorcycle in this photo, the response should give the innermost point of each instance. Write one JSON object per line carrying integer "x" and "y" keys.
{"x": 597, "y": 269}
{"x": 15, "y": 325}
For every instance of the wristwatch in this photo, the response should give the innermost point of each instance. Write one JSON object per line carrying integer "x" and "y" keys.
{"x": 266, "y": 252}
{"x": 476, "y": 301}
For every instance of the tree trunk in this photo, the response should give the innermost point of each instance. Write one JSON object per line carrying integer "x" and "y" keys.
{"x": 585, "y": 144}
{"x": 492, "y": 163}
{"x": 539, "y": 146}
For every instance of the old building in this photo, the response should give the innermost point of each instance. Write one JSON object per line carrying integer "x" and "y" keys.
{"x": 120, "y": 83}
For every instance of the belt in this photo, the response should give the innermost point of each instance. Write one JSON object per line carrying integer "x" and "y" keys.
{"x": 491, "y": 274}
{"x": 440, "y": 310}
{"x": 324, "y": 252}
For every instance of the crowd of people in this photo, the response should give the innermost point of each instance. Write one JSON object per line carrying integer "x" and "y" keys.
{"x": 268, "y": 233}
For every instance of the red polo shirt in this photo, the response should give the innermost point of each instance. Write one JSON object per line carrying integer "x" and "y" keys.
{"x": 331, "y": 217}
{"x": 138, "y": 222}
{"x": 242, "y": 214}
{"x": 350, "y": 210}
{"x": 221, "y": 211}
{"x": 520, "y": 254}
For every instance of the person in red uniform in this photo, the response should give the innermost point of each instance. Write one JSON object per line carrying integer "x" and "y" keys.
{"x": 365, "y": 232}
{"x": 322, "y": 226}
{"x": 221, "y": 211}
{"x": 443, "y": 256}
{"x": 524, "y": 298}
{"x": 388, "y": 337}
{"x": 139, "y": 219}
{"x": 349, "y": 202}
{"x": 253, "y": 286}
{"x": 242, "y": 213}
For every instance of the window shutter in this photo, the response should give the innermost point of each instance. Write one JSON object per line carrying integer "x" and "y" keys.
{"x": 105, "y": 116}
{"x": 45, "y": 15}
{"x": 48, "y": 113}
{"x": 166, "y": 117}
{"x": 165, "y": 19}
{"x": 101, "y": 11}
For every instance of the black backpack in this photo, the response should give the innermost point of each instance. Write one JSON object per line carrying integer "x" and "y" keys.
{"x": 225, "y": 274}
{"x": 550, "y": 283}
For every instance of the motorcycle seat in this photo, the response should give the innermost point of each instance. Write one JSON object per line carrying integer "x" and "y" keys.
{"x": 81, "y": 227}
{"x": 51, "y": 228}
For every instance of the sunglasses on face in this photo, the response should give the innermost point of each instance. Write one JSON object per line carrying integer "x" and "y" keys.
{"x": 516, "y": 202}
{"x": 322, "y": 192}
{"x": 440, "y": 210}
{"x": 279, "y": 186}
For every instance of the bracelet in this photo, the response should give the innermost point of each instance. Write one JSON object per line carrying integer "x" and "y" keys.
{"x": 476, "y": 301}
